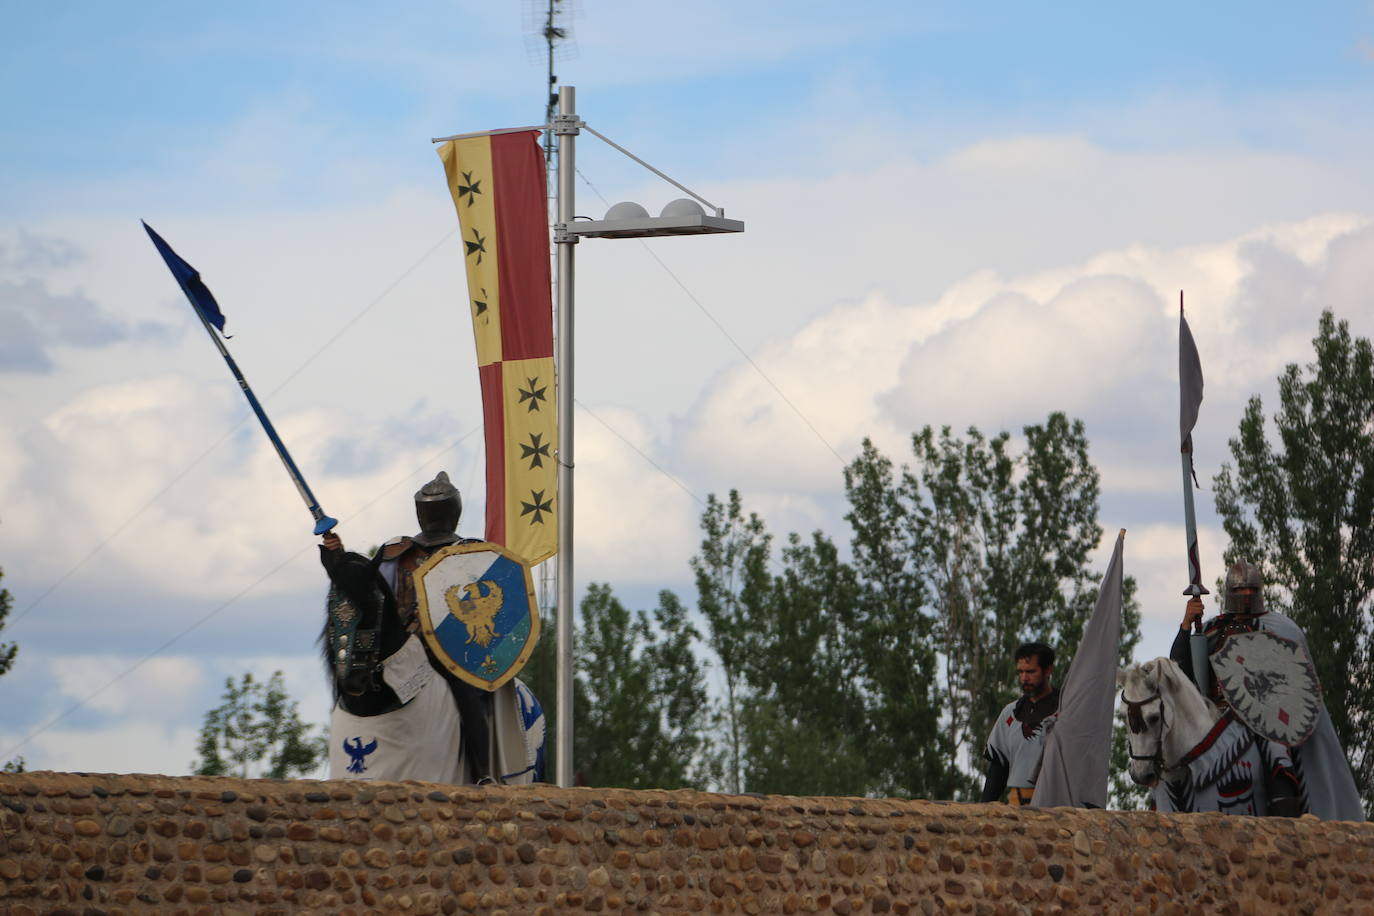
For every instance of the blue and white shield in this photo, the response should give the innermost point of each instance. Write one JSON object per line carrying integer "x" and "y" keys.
{"x": 478, "y": 614}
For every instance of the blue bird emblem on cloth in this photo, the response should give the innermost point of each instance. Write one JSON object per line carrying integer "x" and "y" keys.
{"x": 357, "y": 752}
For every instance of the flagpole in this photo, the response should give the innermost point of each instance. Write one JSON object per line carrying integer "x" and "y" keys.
{"x": 1197, "y": 641}
{"x": 186, "y": 274}
{"x": 323, "y": 523}
{"x": 565, "y": 127}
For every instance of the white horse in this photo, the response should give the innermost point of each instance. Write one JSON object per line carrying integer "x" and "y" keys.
{"x": 1193, "y": 757}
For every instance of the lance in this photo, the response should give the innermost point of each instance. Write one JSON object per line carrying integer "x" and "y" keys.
{"x": 1190, "y": 399}
{"x": 208, "y": 311}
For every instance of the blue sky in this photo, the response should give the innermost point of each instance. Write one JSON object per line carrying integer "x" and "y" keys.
{"x": 956, "y": 214}
{"x": 136, "y": 90}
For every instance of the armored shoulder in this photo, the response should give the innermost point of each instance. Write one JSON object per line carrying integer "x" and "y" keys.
{"x": 396, "y": 547}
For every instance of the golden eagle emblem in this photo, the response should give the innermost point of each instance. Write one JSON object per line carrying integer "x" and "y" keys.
{"x": 476, "y": 610}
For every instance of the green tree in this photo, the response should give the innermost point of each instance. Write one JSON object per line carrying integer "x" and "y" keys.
{"x": 641, "y": 709}
{"x": 908, "y": 752}
{"x": 540, "y": 675}
{"x": 8, "y": 651}
{"x": 974, "y": 551}
{"x": 1301, "y": 504}
{"x": 733, "y": 582}
{"x": 257, "y": 731}
{"x": 806, "y": 726}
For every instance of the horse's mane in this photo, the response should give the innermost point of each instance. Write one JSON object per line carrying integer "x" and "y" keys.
{"x": 1165, "y": 675}
{"x": 357, "y": 578}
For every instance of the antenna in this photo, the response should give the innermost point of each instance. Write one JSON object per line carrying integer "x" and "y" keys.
{"x": 548, "y": 35}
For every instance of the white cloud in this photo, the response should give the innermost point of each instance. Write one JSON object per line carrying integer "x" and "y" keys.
{"x": 166, "y": 747}
{"x": 166, "y": 683}
{"x": 115, "y": 713}
{"x": 633, "y": 525}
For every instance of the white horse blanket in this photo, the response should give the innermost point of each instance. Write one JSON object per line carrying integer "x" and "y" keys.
{"x": 422, "y": 740}
{"x": 1226, "y": 772}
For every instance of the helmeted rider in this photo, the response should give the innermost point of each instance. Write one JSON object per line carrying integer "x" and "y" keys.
{"x": 1242, "y": 604}
{"x": 438, "y": 509}
{"x": 1320, "y": 781}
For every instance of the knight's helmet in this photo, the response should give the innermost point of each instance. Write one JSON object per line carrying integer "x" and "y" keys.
{"x": 1243, "y": 574}
{"x": 438, "y": 508}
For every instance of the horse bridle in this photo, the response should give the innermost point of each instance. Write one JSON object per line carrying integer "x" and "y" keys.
{"x": 353, "y": 648}
{"x": 1135, "y": 720}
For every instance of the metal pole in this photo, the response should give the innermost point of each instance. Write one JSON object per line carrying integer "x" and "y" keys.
{"x": 565, "y": 128}
{"x": 323, "y": 523}
{"x": 201, "y": 299}
{"x": 1197, "y": 642}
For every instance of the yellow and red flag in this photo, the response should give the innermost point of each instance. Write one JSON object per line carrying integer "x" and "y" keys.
{"x": 498, "y": 185}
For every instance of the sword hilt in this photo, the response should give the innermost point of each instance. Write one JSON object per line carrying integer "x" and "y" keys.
{"x": 323, "y": 523}
{"x": 1196, "y": 590}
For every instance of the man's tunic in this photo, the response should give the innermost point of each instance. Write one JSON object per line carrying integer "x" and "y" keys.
{"x": 1018, "y": 740}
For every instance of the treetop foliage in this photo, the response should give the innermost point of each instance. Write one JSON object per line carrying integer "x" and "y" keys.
{"x": 1299, "y": 502}
{"x": 257, "y": 731}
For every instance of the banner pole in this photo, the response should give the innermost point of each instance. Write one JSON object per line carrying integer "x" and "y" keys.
{"x": 1197, "y": 641}
{"x": 174, "y": 262}
{"x": 565, "y": 128}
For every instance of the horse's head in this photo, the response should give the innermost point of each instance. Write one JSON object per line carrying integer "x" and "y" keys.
{"x": 355, "y": 636}
{"x": 1165, "y": 717}
{"x": 1142, "y": 705}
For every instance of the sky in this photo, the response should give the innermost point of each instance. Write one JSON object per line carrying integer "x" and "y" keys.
{"x": 958, "y": 214}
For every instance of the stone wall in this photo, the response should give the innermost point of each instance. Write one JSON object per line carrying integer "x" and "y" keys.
{"x": 74, "y": 843}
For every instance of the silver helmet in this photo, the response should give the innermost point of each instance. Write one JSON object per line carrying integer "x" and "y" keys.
{"x": 438, "y": 506}
{"x": 1243, "y": 575}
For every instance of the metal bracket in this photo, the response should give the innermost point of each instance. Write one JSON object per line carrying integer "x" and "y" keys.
{"x": 561, "y": 235}
{"x": 567, "y": 125}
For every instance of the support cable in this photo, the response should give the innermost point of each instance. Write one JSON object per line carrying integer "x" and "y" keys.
{"x": 726, "y": 334}
{"x": 195, "y": 462}
{"x": 79, "y": 704}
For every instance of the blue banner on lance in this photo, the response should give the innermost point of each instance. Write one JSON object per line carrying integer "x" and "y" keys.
{"x": 188, "y": 278}
{"x": 478, "y": 613}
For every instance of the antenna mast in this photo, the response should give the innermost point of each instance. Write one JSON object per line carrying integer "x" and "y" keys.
{"x": 547, "y": 24}
{"x": 548, "y": 37}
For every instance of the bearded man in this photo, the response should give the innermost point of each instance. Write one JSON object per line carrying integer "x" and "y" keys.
{"x": 1018, "y": 736}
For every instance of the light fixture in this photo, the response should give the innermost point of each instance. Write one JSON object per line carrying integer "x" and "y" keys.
{"x": 629, "y": 220}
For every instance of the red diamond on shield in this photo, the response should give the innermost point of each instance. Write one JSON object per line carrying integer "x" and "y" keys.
{"x": 1283, "y": 716}
{"x": 1240, "y": 659}
{"x": 1010, "y": 719}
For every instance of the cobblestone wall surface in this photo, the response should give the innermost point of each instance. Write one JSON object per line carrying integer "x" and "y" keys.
{"x": 78, "y": 843}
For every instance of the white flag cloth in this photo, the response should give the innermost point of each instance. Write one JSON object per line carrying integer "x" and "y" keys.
{"x": 1078, "y": 747}
{"x": 1189, "y": 383}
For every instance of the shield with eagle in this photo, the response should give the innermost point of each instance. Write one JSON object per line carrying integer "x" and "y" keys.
{"x": 478, "y": 614}
{"x": 1271, "y": 685}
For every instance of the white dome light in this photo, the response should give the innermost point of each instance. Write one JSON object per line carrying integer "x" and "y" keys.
{"x": 627, "y": 209}
{"x": 683, "y": 206}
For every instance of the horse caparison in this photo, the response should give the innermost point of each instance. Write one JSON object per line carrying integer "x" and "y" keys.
{"x": 502, "y": 731}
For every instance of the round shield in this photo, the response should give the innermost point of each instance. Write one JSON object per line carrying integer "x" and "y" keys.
{"x": 1271, "y": 685}
{"x": 477, "y": 612}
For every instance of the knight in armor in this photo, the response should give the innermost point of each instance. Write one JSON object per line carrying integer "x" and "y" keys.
{"x": 1319, "y": 781}
{"x": 1017, "y": 741}
{"x": 438, "y": 508}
